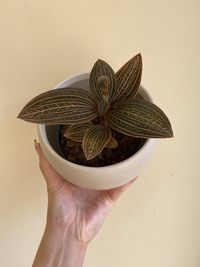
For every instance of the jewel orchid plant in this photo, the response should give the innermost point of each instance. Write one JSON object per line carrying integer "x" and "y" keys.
{"x": 110, "y": 104}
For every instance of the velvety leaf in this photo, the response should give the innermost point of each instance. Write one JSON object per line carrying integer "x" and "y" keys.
{"x": 94, "y": 140}
{"x": 102, "y": 80}
{"x": 139, "y": 119}
{"x": 61, "y": 106}
{"x": 128, "y": 79}
{"x": 76, "y": 132}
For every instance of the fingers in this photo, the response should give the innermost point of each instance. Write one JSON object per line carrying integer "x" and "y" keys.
{"x": 52, "y": 178}
{"x": 43, "y": 162}
{"x": 115, "y": 193}
{"x": 38, "y": 149}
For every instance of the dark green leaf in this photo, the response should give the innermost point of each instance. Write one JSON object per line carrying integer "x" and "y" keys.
{"x": 128, "y": 79}
{"x": 61, "y": 106}
{"x": 139, "y": 119}
{"x": 102, "y": 80}
{"x": 94, "y": 140}
{"x": 76, "y": 132}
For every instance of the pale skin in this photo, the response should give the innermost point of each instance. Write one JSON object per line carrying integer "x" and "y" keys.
{"x": 74, "y": 217}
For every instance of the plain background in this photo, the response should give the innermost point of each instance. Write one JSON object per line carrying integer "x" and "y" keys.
{"x": 156, "y": 222}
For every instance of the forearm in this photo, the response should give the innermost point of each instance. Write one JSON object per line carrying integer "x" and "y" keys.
{"x": 58, "y": 248}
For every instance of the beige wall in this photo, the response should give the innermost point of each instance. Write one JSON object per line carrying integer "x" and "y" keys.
{"x": 156, "y": 223}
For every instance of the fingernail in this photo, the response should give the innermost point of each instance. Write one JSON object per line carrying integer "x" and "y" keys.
{"x": 35, "y": 144}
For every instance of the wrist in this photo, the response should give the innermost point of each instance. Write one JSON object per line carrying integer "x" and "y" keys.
{"x": 61, "y": 220}
{"x": 67, "y": 233}
{"x": 59, "y": 247}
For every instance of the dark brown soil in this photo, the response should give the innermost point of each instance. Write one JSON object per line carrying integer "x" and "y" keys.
{"x": 127, "y": 146}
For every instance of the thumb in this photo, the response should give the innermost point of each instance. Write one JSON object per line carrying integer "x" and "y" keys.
{"x": 115, "y": 193}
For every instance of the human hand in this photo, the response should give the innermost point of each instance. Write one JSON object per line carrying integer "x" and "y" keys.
{"x": 80, "y": 210}
{"x": 74, "y": 217}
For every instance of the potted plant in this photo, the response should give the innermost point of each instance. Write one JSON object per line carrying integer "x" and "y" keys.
{"x": 98, "y": 130}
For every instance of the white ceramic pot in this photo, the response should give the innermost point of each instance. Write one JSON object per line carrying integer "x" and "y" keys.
{"x": 96, "y": 177}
